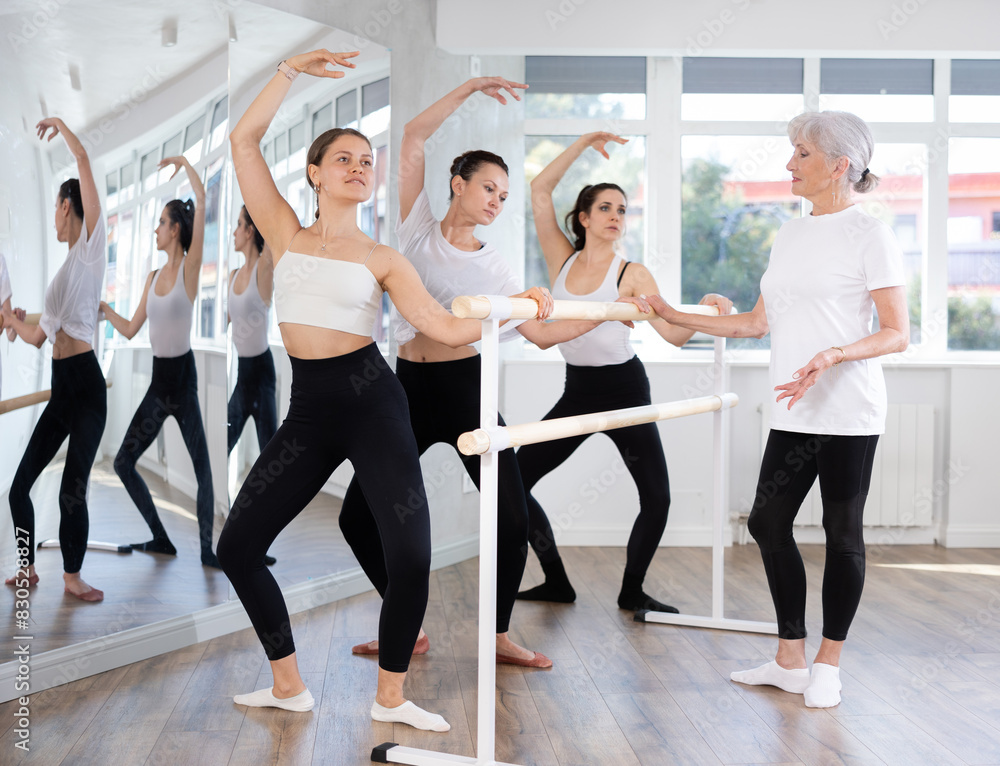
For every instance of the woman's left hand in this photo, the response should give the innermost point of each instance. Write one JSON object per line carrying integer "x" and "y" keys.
{"x": 177, "y": 162}
{"x": 806, "y": 377}
{"x": 542, "y": 297}
{"x": 714, "y": 299}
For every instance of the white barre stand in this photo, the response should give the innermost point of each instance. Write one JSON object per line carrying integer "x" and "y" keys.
{"x": 491, "y": 310}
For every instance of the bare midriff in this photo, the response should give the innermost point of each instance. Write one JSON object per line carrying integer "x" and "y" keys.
{"x": 307, "y": 342}
{"x": 423, "y": 349}
{"x": 66, "y": 346}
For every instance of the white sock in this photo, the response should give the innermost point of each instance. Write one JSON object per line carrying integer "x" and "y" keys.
{"x": 300, "y": 703}
{"x": 772, "y": 674}
{"x": 824, "y": 686}
{"x": 409, "y": 713}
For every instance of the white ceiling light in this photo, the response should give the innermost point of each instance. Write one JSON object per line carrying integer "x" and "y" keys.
{"x": 169, "y": 39}
{"x": 233, "y": 38}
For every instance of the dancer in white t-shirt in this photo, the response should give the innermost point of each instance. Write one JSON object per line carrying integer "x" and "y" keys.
{"x": 77, "y": 407}
{"x": 828, "y": 272}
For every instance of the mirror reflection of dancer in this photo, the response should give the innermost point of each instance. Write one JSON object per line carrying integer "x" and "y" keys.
{"x": 842, "y": 265}
{"x": 346, "y": 404}
{"x": 79, "y": 403}
{"x": 168, "y": 301}
{"x": 442, "y": 384}
{"x": 602, "y": 370}
{"x": 249, "y": 306}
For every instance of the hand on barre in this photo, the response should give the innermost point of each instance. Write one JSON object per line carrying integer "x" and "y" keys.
{"x": 542, "y": 298}
{"x": 499, "y": 307}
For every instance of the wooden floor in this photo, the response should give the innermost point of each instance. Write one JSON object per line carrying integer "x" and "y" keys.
{"x": 142, "y": 588}
{"x": 921, "y": 676}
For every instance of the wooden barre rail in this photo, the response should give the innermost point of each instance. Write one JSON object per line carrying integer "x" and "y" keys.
{"x": 28, "y": 319}
{"x": 19, "y": 402}
{"x": 481, "y": 441}
{"x": 481, "y": 307}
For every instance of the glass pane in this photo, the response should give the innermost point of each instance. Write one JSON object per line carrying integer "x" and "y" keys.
{"x": 974, "y": 244}
{"x": 899, "y": 201}
{"x": 974, "y": 109}
{"x": 627, "y": 168}
{"x": 119, "y": 273}
{"x": 148, "y": 169}
{"x": 112, "y": 187}
{"x": 376, "y": 122}
{"x": 881, "y": 108}
{"x": 735, "y": 195}
{"x": 210, "y": 261}
{"x": 269, "y": 154}
{"x": 171, "y": 148}
{"x": 298, "y": 198}
{"x": 297, "y": 147}
{"x": 322, "y": 120}
{"x": 611, "y": 106}
{"x": 374, "y": 96}
{"x": 128, "y": 179}
{"x": 280, "y": 167}
{"x": 347, "y": 110}
{"x": 193, "y": 140}
{"x": 778, "y": 107}
{"x": 220, "y": 121}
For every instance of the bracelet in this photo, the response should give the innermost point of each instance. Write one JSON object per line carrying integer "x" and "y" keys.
{"x": 842, "y": 352}
{"x": 288, "y": 71}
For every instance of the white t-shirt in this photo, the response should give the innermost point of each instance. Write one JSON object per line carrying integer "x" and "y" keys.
{"x": 817, "y": 294}
{"x": 74, "y": 294}
{"x": 448, "y": 272}
{"x": 5, "y": 293}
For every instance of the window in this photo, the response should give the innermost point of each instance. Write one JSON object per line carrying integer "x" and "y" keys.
{"x": 347, "y": 110}
{"x": 375, "y": 107}
{"x": 741, "y": 89}
{"x": 879, "y": 90}
{"x": 112, "y": 187}
{"x": 322, "y": 120}
{"x": 973, "y": 246}
{"x": 220, "y": 121}
{"x": 171, "y": 148}
{"x": 572, "y": 87}
{"x": 193, "y": 140}
{"x": 975, "y": 91}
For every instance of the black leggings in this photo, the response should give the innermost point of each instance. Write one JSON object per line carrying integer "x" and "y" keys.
{"x": 444, "y": 403}
{"x": 173, "y": 392}
{"x": 350, "y": 407}
{"x": 254, "y": 395}
{"x": 594, "y": 389}
{"x": 77, "y": 408}
{"x": 790, "y": 466}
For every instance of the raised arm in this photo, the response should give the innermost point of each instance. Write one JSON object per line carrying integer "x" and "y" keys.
{"x": 192, "y": 264}
{"x": 424, "y": 125}
{"x": 271, "y": 213}
{"x": 750, "y": 324}
{"x": 556, "y": 246}
{"x": 638, "y": 281}
{"x": 88, "y": 188}
{"x": 129, "y": 327}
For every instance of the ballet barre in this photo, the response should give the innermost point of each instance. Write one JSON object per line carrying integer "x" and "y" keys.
{"x": 492, "y": 310}
{"x": 19, "y": 402}
{"x": 481, "y": 441}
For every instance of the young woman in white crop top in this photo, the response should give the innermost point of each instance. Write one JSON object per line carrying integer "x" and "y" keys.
{"x": 250, "y": 289}
{"x": 77, "y": 407}
{"x": 442, "y": 384}
{"x": 829, "y": 272}
{"x": 345, "y": 401}
{"x": 168, "y": 302}
{"x": 602, "y": 371}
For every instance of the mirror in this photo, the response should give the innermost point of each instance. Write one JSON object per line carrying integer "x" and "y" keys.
{"x": 312, "y": 545}
{"x": 135, "y": 83}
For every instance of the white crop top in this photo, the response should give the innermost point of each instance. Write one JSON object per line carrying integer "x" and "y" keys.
{"x": 170, "y": 318}
{"x": 608, "y": 343}
{"x": 326, "y": 292}
{"x": 249, "y": 315}
{"x": 74, "y": 294}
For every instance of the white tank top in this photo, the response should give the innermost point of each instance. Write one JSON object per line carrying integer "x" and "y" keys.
{"x": 328, "y": 293}
{"x": 170, "y": 318}
{"x": 249, "y": 315}
{"x": 608, "y": 343}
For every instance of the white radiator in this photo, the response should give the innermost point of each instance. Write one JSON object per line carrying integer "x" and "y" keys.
{"x": 903, "y": 473}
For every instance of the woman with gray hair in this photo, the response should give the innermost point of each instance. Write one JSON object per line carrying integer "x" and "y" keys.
{"x": 828, "y": 272}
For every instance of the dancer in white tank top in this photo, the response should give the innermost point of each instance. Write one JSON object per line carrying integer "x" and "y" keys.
{"x": 602, "y": 371}
{"x": 168, "y": 301}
